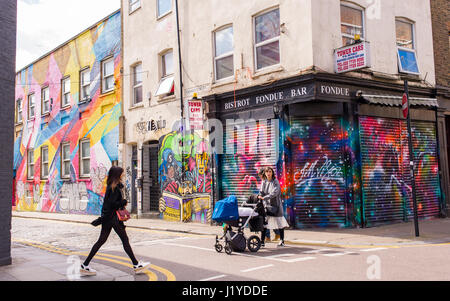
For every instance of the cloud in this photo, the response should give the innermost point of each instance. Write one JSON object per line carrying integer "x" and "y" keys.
{"x": 45, "y": 24}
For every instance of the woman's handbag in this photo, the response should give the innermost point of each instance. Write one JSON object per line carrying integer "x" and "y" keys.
{"x": 272, "y": 210}
{"x": 123, "y": 215}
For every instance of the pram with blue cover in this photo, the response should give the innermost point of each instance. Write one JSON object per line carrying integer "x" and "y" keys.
{"x": 227, "y": 211}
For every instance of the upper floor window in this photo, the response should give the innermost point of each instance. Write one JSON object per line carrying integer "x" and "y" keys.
{"x": 223, "y": 56}
{"x": 166, "y": 85}
{"x": 44, "y": 162}
{"x": 65, "y": 90}
{"x": 137, "y": 84}
{"x": 65, "y": 160}
{"x": 19, "y": 111}
{"x": 406, "y": 52}
{"x": 31, "y": 105}
{"x": 45, "y": 105}
{"x": 85, "y": 156}
{"x": 352, "y": 23}
{"x": 85, "y": 85}
{"x": 134, "y": 4}
{"x": 267, "y": 39}
{"x": 108, "y": 75}
{"x": 30, "y": 161}
{"x": 164, "y": 7}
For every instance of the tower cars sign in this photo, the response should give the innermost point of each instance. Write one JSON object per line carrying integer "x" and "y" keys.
{"x": 352, "y": 57}
{"x": 196, "y": 114}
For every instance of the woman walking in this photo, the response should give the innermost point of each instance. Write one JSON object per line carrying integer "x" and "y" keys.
{"x": 271, "y": 196}
{"x": 113, "y": 201}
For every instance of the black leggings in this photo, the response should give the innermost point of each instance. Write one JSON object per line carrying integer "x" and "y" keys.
{"x": 119, "y": 228}
{"x": 263, "y": 235}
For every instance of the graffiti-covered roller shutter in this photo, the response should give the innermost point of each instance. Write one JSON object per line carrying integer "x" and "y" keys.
{"x": 427, "y": 169}
{"x": 318, "y": 164}
{"x": 383, "y": 158}
{"x": 247, "y": 148}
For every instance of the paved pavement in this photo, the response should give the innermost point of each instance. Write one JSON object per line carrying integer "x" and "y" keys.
{"x": 30, "y": 260}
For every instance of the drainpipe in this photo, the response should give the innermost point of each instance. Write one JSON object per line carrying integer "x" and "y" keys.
{"x": 181, "y": 87}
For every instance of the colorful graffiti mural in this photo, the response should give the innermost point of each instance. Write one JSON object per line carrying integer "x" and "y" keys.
{"x": 96, "y": 119}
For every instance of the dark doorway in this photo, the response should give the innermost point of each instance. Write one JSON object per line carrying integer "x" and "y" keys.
{"x": 134, "y": 164}
{"x": 151, "y": 189}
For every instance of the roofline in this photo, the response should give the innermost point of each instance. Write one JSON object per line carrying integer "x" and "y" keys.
{"x": 68, "y": 41}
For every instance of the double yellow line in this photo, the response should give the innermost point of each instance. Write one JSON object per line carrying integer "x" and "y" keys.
{"x": 101, "y": 256}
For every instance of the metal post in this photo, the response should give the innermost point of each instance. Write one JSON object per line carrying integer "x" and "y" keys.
{"x": 411, "y": 164}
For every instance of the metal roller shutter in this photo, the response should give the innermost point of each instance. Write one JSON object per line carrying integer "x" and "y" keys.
{"x": 318, "y": 172}
{"x": 249, "y": 147}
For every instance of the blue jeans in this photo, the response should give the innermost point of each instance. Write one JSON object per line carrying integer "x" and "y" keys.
{"x": 276, "y": 231}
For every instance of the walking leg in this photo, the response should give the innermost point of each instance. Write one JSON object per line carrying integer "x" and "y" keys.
{"x": 120, "y": 230}
{"x": 104, "y": 234}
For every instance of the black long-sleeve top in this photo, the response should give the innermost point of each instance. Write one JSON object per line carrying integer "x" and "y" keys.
{"x": 112, "y": 202}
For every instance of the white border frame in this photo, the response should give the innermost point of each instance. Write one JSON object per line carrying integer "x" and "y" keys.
{"x": 363, "y": 13}
{"x": 225, "y": 55}
{"x": 255, "y": 61}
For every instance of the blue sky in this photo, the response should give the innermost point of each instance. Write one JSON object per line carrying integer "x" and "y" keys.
{"x": 43, "y": 25}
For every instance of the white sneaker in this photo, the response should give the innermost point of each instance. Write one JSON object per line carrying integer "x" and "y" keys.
{"x": 141, "y": 266}
{"x": 281, "y": 244}
{"x": 87, "y": 271}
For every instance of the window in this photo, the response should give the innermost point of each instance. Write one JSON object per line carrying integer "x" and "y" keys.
{"x": 31, "y": 105}
{"x": 164, "y": 7}
{"x": 45, "y": 95}
{"x": 223, "y": 56}
{"x": 30, "y": 161}
{"x": 267, "y": 39}
{"x": 65, "y": 90}
{"x": 44, "y": 162}
{"x": 134, "y": 4}
{"x": 85, "y": 158}
{"x": 107, "y": 75}
{"x": 19, "y": 111}
{"x": 137, "y": 84}
{"x": 65, "y": 160}
{"x": 406, "y": 53}
{"x": 85, "y": 85}
{"x": 166, "y": 85}
{"x": 352, "y": 23}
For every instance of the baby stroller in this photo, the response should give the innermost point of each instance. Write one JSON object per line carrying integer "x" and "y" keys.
{"x": 227, "y": 211}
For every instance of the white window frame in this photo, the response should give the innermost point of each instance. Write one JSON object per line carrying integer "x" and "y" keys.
{"x": 269, "y": 41}
{"x": 166, "y": 78}
{"x": 64, "y": 160}
{"x": 43, "y": 163}
{"x": 83, "y": 172}
{"x": 31, "y": 106}
{"x": 65, "y": 95}
{"x": 19, "y": 104}
{"x": 363, "y": 21}
{"x": 222, "y": 56}
{"x": 44, "y": 101}
{"x": 132, "y": 5}
{"x": 159, "y": 16}
{"x": 107, "y": 76}
{"x": 30, "y": 164}
{"x": 135, "y": 86}
{"x": 412, "y": 50}
{"x": 84, "y": 98}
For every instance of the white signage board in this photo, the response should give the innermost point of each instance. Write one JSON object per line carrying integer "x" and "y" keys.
{"x": 352, "y": 57}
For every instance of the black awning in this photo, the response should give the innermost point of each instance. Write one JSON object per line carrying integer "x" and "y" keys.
{"x": 396, "y": 101}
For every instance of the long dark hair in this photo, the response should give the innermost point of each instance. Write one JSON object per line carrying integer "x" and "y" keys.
{"x": 274, "y": 176}
{"x": 114, "y": 175}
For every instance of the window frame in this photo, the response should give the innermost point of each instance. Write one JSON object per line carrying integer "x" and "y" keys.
{"x": 159, "y": 16}
{"x": 412, "y": 50}
{"x": 19, "y": 110}
{"x": 63, "y": 160}
{"x": 64, "y": 92}
{"x": 104, "y": 78}
{"x": 30, "y": 163}
{"x": 29, "y": 106}
{"x": 363, "y": 22}
{"x": 83, "y": 173}
{"x": 83, "y": 85}
{"x": 164, "y": 75}
{"x": 131, "y": 3}
{"x": 135, "y": 86}
{"x": 43, "y": 101}
{"x": 44, "y": 162}
{"x": 266, "y": 42}
{"x": 222, "y": 56}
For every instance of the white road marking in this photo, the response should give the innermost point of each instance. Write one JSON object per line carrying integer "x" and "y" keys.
{"x": 336, "y": 254}
{"x": 215, "y": 277}
{"x": 316, "y": 251}
{"x": 309, "y": 241}
{"x": 257, "y": 268}
{"x": 373, "y": 249}
{"x": 299, "y": 259}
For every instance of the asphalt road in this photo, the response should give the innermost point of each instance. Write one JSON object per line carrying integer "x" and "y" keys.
{"x": 184, "y": 257}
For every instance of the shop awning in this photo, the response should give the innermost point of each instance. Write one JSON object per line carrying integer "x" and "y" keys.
{"x": 396, "y": 101}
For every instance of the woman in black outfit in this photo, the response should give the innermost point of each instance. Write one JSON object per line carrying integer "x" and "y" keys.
{"x": 113, "y": 201}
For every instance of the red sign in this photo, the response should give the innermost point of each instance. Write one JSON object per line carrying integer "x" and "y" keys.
{"x": 405, "y": 105}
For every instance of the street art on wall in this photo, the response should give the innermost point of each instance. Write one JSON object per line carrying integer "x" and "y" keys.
{"x": 95, "y": 119}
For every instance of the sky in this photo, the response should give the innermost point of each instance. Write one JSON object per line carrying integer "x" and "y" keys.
{"x": 43, "y": 25}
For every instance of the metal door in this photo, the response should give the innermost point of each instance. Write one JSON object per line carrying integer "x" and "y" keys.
{"x": 151, "y": 189}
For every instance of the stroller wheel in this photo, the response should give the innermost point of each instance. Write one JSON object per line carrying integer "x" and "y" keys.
{"x": 254, "y": 243}
{"x": 228, "y": 249}
{"x": 219, "y": 248}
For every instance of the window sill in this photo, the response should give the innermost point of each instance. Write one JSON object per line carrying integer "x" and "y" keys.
{"x": 65, "y": 108}
{"x": 159, "y": 18}
{"x": 107, "y": 93}
{"x": 85, "y": 178}
{"x": 18, "y": 123}
{"x": 133, "y": 11}
{"x": 135, "y": 107}
{"x": 164, "y": 99}
{"x": 45, "y": 114}
{"x": 268, "y": 70}
{"x": 223, "y": 82}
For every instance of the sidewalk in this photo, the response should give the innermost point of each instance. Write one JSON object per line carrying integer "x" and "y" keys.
{"x": 433, "y": 231}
